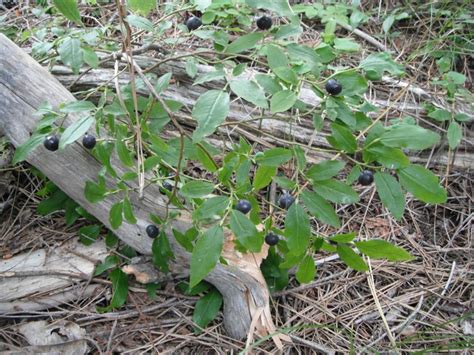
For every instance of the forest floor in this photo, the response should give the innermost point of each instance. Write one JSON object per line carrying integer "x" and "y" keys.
{"x": 427, "y": 304}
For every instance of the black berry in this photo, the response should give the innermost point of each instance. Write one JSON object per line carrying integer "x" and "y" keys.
{"x": 193, "y": 23}
{"x": 271, "y": 239}
{"x": 366, "y": 178}
{"x": 88, "y": 141}
{"x": 333, "y": 87}
{"x": 243, "y": 206}
{"x": 285, "y": 201}
{"x": 152, "y": 231}
{"x": 264, "y": 23}
{"x": 168, "y": 186}
{"x": 9, "y": 4}
{"x": 51, "y": 142}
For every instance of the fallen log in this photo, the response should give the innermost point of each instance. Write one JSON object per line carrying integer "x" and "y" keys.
{"x": 39, "y": 279}
{"x": 272, "y": 129}
{"x": 25, "y": 85}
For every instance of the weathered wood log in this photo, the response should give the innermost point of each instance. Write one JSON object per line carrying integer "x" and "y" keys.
{"x": 32, "y": 280}
{"x": 24, "y": 86}
{"x": 275, "y": 129}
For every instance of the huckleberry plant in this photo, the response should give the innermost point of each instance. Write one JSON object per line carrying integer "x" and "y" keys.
{"x": 265, "y": 68}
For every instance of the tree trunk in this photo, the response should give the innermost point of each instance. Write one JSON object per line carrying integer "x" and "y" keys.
{"x": 24, "y": 85}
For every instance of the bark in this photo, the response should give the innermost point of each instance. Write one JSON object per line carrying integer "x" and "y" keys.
{"x": 24, "y": 85}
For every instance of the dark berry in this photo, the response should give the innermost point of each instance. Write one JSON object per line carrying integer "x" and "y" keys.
{"x": 9, "y": 4}
{"x": 333, "y": 87}
{"x": 285, "y": 201}
{"x": 51, "y": 142}
{"x": 88, "y": 141}
{"x": 243, "y": 206}
{"x": 366, "y": 178}
{"x": 152, "y": 231}
{"x": 168, "y": 186}
{"x": 264, "y": 23}
{"x": 193, "y": 23}
{"x": 271, "y": 239}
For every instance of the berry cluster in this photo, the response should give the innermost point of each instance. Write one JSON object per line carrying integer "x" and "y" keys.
{"x": 51, "y": 142}
{"x": 263, "y": 23}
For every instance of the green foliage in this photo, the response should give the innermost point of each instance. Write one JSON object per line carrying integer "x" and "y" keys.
{"x": 69, "y": 9}
{"x": 206, "y": 253}
{"x": 206, "y": 309}
{"x": 237, "y": 169}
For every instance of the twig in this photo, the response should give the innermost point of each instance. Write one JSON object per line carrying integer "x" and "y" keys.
{"x": 313, "y": 345}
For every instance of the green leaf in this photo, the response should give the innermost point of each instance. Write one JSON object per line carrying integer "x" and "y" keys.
{"x": 440, "y": 115}
{"x": 268, "y": 83}
{"x": 390, "y": 193}
{"x": 207, "y": 308}
{"x": 94, "y": 192}
{"x": 140, "y": 22}
{"x": 281, "y": 7}
{"x": 206, "y": 253}
{"x": 245, "y": 231}
{"x": 69, "y": 9}
{"x": 346, "y": 45}
{"x": 142, "y": 7}
{"x": 351, "y": 258}
{"x": 249, "y": 91}
{"x": 422, "y": 183}
{"x": 109, "y": 262}
{"x": 336, "y": 191}
{"x": 297, "y": 229}
{"x": 320, "y": 208}
{"x": 163, "y": 82}
{"x": 202, "y": 5}
{"x": 88, "y": 234}
{"x": 196, "y": 189}
{"x": 71, "y": 53}
{"x": 276, "y": 57}
{"x": 128, "y": 211}
{"x": 211, "y": 207}
{"x": 90, "y": 57}
{"x": 325, "y": 170}
{"x": 392, "y": 158}
{"x": 210, "y": 111}
{"x": 380, "y": 249}
{"x": 454, "y": 134}
{"x": 343, "y": 238}
{"x": 22, "y": 151}
{"x": 75, "y": 131}
{"x": 162, "y": 252}
{"x": 306, "y": 270}
{"x": 380, "y": 63}
{"x": 409, "y": 136}
{"x": 210, "y": 76}
{"x": 274, "y": 157}
{"x": 115, "y": 215}
{"x": 244, "y": 43}
{"x": 263, "y": 176}
{"x": 120, "y": 288}
{"x": 282, "y": 101}
{"x": 286, "y": 74}
{"x": 461, "y": 117}
{"x": 387, "y": 23}
{"x": 123, "y": 153}
{"x": 342, "y": 138}
{"x": 352, "y": 83}
{"x": 55, "y": 202}
{"x": 78, "y": 106}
